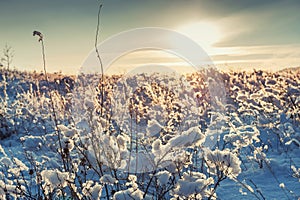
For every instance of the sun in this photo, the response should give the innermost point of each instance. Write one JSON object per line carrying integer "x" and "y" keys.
{"x": 206, "y": 34}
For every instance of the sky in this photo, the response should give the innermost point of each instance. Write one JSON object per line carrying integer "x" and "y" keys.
{"x": 235, "y": 34}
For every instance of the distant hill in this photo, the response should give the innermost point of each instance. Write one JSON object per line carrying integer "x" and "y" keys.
{"x": 294, "y": 69}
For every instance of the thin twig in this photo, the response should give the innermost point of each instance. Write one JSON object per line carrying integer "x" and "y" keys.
{"x": 99, "y": 57}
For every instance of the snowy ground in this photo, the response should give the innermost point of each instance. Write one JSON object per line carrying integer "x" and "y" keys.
{"x": 255, "y": 157}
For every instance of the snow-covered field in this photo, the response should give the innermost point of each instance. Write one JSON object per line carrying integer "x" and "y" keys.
{"x": 207, "y": 135}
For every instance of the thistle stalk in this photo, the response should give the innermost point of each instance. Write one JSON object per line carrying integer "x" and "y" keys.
{"x": 41, "y": 40}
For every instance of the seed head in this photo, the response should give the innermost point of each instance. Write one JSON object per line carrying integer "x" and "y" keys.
{"x": 38, "y": 34}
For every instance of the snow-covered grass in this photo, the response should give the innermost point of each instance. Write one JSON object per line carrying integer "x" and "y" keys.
{"x": 207, "y": 135}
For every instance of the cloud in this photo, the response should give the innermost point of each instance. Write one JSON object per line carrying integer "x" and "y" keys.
{"x": 272, "y": 57}
{"x": 265, "y": 25}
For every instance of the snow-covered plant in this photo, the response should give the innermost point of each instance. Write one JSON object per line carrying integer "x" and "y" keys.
{"x": 223, "y": 163}
{"x": 132, "y": 192}
{"x": 242, "y": 136}
{"x": 146, "y": 138}
{"x": 54, "y": 180}
{"x": 92, "y": 190}
{"x": 193, "y": 185}
{"x": 296, "y": 172}
{"x": 13, "y": 182}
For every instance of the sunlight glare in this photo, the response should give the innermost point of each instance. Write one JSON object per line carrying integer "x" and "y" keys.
{"x": 206, "y": 34}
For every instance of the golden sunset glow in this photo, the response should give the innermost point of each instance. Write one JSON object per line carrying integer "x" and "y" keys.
{"x": 143, "y": 60}
{"x": 245, "y": 34}
{"x": 206, "y": 34}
